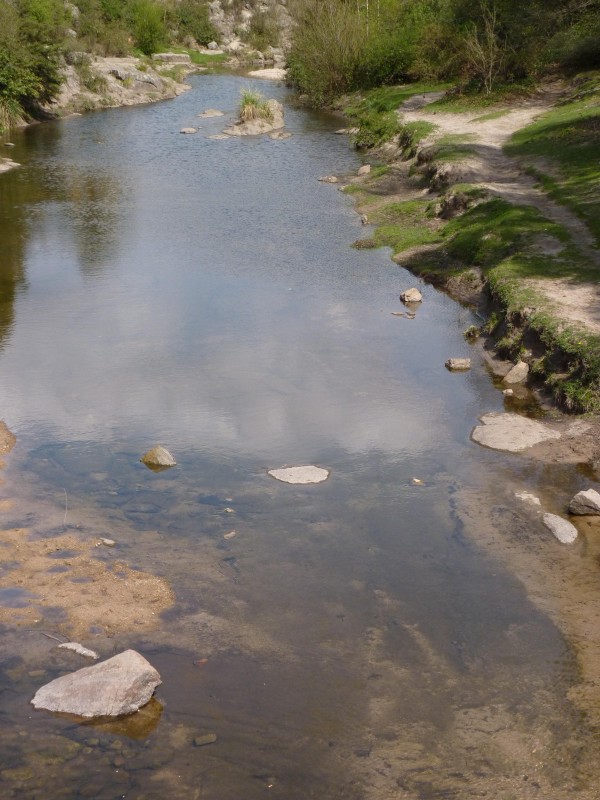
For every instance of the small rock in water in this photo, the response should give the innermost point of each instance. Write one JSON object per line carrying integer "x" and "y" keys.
{"x": 411, "y": 296}
{"x": 229, "y": 535}
{"x": 108, "y": 542}
{"x": 300, "y": 475}
{"x": 417, "y": 482}
{"x": 328, "y": 179}
{"x": 585, "y": 503}
{"x": 118, "y": 686}
{"x": 158, "y": 457}
{"x": 219, "y": 137}
{"x": 364, "y": 170}
{"x": 563, "y": 530}
{"x": 280, "y": 135}
{"x": 517, "y": 374}
{"x": 189, "y": 130}
{"x": 457, "y": 364}
{"x": 79, "y": 649}
{"x": 508, "y": 392}
{"x": 9, "y": 144}
{"x": 364, "y": 219}
{"x": 208, "y": 738}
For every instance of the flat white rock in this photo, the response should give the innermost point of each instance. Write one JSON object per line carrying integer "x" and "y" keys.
{"x": 511, "y": 432}
{"x": 307, "y": 474}
{"x": 121, "y": 685}
{"x": 564, "y": 530}
{"x": 210, "y": 112}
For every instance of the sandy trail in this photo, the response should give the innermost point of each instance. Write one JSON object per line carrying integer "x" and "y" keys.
{"x": 488, "y": 166}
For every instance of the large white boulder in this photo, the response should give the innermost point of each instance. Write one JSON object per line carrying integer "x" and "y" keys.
{"x": 115, "y": 687}
{"x": 301, "y": 475}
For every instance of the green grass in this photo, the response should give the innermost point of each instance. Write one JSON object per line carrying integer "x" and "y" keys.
{"x": 374, "y": 113}
{"x": 402, "y": 226}
{"x": 463, "y": 100}
{"x": 565, "y": 142}
{"x": 202, "y": 59}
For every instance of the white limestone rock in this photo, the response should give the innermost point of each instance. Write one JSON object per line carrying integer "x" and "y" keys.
{"x": 121, "y": 685}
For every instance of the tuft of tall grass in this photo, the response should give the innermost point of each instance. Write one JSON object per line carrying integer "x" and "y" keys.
{"x": 254, "y": 106}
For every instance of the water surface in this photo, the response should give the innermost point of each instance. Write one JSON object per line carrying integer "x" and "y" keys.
{"x": 203, "y": 294}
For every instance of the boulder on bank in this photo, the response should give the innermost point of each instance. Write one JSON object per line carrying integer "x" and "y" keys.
{"x": 517, "y": 374}
{"x": 254, "y": 127}
{"x": 585, "y": 503}
{"x": 121, "y": 685}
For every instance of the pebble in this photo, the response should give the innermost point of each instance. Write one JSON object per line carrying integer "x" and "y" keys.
{"x": 229, "y": 535}
{"x": 208, "y": 738}
{"x": 108, "y": 542}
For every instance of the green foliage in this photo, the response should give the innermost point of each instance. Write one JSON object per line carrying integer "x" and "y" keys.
{"x": 192, "y": 19}
{"x": 148, "y": 24}
{"x": 263, "y": 31}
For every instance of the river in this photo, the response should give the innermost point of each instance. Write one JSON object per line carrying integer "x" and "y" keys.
{"x": 353, "y": 639}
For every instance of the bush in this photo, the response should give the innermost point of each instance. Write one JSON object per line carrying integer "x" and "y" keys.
{"x": 148, "y": 24}
{"x": 191, "y": 19}
{"x": 263, "y": 32}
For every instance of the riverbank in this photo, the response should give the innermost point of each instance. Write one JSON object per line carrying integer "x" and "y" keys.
{"x": 459, "y": 194}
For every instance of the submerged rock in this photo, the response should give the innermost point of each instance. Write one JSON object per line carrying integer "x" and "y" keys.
{"x": 115, "y": 687}
{"x": 458, "y": 364}
{"x": 210, "y": 112}
{"x": 561, "y": 528}
{"x": 278, "y": 135}
{"x": 328, "y": 179}
{"x": 158, "y": 457}
{"x": 189, "y": 130}
{"x": 510, "y": 432}
{"x": 585, "y": 503}
{"x": 301, "y": 475}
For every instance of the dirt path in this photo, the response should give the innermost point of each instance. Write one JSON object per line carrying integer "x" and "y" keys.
{"x": 488, "y": 166}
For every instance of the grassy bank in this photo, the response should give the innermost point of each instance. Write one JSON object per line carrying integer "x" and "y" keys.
{"x": 477, "y": 245}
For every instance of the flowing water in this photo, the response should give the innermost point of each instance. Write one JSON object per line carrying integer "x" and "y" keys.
{"x": 352, "y": 639}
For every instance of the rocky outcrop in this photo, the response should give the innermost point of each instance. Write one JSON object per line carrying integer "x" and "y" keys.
{"x": 585, "y": 503}
{"x": 121, "y": 685}
{"x": 93, "y": 82}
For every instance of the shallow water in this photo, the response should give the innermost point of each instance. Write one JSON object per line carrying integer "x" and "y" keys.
{"x": 203, "y": 294}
